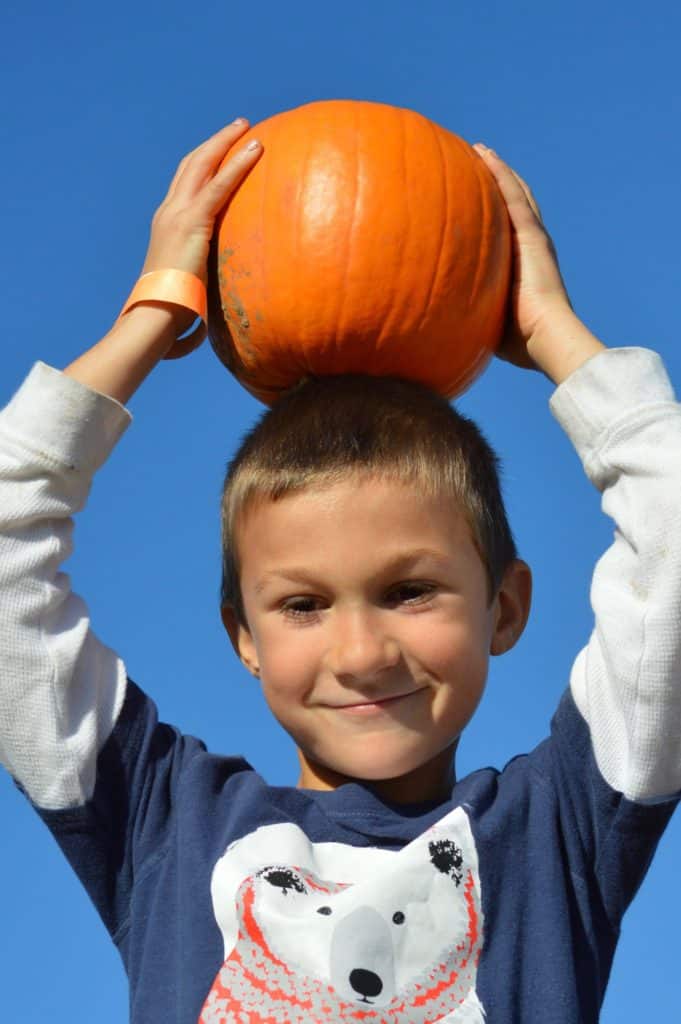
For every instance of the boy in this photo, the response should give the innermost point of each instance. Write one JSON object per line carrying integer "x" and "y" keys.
{"x": 369, "y": 572}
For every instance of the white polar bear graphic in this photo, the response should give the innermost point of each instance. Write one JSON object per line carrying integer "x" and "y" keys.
{"x": 325, "y": 932}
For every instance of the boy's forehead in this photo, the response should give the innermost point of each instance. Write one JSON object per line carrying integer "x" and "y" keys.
{"x": 397, "y": 518}
{"x": 360, "y": 495}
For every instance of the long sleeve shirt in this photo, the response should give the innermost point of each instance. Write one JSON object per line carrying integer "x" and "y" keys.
{"x": 233, "y": 901}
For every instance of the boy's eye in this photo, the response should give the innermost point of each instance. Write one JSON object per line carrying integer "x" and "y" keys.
{"x": 299, "y": 606}
{"x": 410, "y": 592}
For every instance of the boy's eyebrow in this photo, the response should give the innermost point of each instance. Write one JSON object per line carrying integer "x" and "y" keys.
{"x": 295, "y": 575}
{"x": 401, "y": 563}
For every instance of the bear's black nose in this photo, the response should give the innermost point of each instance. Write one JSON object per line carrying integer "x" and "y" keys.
{"x": 365, "y": 982}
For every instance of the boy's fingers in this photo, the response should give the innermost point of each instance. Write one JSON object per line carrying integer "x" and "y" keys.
{"x": 200, "y": 163}
{"x": 540, "y": 257}
{"x": 528, "y": 193}
{"x": 180, "y": 168}
{"x": 216, "y": 192}
{"x": 522, "y": 206}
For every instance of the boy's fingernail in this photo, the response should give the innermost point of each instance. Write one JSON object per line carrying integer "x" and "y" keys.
{"x": 480, "y": 145}
{"x": 254, "y": 144}
{"x": 239, "y": 120}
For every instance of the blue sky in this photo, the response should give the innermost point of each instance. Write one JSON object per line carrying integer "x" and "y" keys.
{"x": 100, "y": 103}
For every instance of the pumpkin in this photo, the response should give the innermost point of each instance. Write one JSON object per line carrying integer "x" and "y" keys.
{"x": 366, "y": 239}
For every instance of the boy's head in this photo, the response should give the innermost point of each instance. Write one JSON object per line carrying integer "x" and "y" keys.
{"x": 368, "y": 572}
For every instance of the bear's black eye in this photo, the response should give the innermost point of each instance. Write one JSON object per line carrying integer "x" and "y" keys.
{"x": 398, "y": 917}
{"x": 284, "y": 879}
{"x": 324, "y": 910}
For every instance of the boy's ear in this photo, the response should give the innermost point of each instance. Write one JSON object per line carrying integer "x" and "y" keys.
{"x": 241, "y": 638}
{"x": 512, "y": 601}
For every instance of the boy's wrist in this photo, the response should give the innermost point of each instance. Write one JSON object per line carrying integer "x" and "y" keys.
{"x": 124, "y": 357}
{"x": 561, "y": 343}
{"x": 155, "y": 322}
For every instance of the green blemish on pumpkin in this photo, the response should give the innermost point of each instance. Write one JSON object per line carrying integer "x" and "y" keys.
{"x": 238, "y": 321}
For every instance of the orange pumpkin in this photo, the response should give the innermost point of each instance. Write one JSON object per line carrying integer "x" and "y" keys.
{"x": 366, "y": 239}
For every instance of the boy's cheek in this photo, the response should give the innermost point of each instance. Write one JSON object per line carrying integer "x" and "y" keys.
{"x": 285, "y": 669}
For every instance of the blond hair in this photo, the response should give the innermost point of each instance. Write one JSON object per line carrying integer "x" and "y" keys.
{"x": 327, "y": 428}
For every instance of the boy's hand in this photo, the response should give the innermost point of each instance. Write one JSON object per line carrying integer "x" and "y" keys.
{"x": 543, "y": 332}
{"x": 180, "y": 239}
{"x": 183, "y": 224}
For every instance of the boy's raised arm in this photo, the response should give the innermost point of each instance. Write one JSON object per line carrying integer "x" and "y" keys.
{"x": 621, "y": 414}
{"x": 61, "y": 689}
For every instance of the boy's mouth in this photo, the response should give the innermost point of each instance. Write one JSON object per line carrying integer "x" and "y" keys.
{"x": 367, "y": 706}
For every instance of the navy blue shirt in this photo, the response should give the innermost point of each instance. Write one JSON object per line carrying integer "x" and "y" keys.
{"x": 234, "y": 901}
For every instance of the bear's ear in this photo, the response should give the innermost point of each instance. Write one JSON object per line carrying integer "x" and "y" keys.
{"x": 286, "y": 879}
{"x": 447, "y": 857}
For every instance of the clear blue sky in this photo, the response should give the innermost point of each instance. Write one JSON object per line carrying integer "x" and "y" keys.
{"x": 100, "y": 103}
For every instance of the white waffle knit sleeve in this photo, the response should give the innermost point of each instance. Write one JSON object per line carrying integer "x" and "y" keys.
{"x": 620, "y": 412}
{"x": 60, "y": 688}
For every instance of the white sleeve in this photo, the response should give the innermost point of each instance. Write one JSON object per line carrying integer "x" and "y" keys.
{"x": 620, "y": 412}
{"x": 60, "y": 689}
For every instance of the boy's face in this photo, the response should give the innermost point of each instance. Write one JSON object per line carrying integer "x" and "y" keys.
{"x": 370, "y": 628}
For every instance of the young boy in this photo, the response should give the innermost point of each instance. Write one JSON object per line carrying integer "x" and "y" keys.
{"x": 369, "y": 573}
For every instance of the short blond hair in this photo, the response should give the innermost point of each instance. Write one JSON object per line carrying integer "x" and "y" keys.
{"x": 327, "y": 428}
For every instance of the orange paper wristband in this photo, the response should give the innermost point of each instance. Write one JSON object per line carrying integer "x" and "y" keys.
{"x": 169, "y": 285}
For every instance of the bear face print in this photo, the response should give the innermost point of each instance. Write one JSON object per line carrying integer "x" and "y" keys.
{"x": 393, "y": 937}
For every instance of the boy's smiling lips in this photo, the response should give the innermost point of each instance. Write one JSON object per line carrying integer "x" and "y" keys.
{"x": 377, "y": 704}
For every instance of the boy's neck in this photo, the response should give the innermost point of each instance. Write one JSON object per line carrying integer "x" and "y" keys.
{"x": 430, "y": 782}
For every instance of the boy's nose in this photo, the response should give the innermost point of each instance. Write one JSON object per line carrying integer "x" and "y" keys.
{"x": 360, "y": 646}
